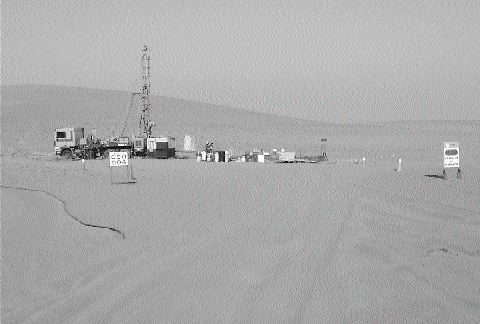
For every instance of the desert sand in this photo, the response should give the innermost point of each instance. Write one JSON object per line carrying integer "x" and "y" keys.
{"x": 237, "y": 242}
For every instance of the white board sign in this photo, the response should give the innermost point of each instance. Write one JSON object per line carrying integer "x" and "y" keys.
{"x": 118, "y": 158}
{"x": 451, "y": 155}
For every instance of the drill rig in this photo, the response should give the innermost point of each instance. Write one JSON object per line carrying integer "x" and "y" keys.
{"x": 145, "y": 125}
{"x": 71, "y": 142}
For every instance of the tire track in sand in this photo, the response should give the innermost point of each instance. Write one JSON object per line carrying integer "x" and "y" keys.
{"x": 314, "y": 261}
{"x": 322, "y": 266}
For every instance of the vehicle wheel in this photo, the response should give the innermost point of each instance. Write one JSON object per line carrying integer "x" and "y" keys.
{"x": 66, "y": 154}
{"x": 91, "y": 154}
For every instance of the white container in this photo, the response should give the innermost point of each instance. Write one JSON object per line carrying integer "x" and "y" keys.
{"x": 199, "y": 158}
{"x": 217, "y": 157}
{"x": 286, "y": 156}
{"x": 261, "y": 158}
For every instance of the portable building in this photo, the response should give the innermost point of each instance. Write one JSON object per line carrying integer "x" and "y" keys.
{"x": 286, "y": 156}
{"x": 161, "y": 147}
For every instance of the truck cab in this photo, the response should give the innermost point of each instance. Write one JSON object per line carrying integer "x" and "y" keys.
{"x": 68, "y": 138}
{"x": 140, "y": 146}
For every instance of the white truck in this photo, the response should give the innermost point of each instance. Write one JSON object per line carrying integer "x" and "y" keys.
{"x": 70, "y": 142}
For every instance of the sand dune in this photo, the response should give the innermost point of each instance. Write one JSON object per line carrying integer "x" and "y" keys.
{"x": 241, "y": 242}
{"x": 31, "y": 113}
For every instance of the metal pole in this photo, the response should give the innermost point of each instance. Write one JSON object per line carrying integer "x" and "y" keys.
{"x": 130, "y": 174}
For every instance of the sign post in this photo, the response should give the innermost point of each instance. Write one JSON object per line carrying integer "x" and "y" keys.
{"x": 118, "y": 159}
{"x": 451, "y": 158}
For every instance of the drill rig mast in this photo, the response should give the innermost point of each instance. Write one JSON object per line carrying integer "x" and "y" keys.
{"x": 145, "y": 123}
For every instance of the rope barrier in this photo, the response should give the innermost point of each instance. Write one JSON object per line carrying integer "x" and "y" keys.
{"x": 357, "y": 161}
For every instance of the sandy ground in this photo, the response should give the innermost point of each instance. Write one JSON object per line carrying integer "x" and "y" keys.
{"x": 240, "y": 242}
{"x": 235, "y": 242}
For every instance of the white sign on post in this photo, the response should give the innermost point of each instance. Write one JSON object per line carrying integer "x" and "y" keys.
{"x": 451, "y": 155}
{"x": 118, "y": 158}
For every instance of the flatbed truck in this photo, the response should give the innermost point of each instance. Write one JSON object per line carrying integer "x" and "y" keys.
{"x": 71, "y": 143}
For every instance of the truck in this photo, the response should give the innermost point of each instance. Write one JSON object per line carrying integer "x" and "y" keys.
{"x": 71, "y": 142}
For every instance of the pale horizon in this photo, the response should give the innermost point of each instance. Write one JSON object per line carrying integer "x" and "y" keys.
{"x": 335, "y": 62}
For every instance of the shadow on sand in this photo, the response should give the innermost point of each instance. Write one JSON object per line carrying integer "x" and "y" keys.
{"x": 123, "y": 182}
{"x": 434, "y": 176}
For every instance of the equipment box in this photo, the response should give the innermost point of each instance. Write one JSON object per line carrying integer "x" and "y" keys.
{"x": 161, "y": 145}
{"x": 158, "y": 154}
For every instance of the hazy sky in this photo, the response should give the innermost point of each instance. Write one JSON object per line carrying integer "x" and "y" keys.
{"x": 335, "y": 61}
